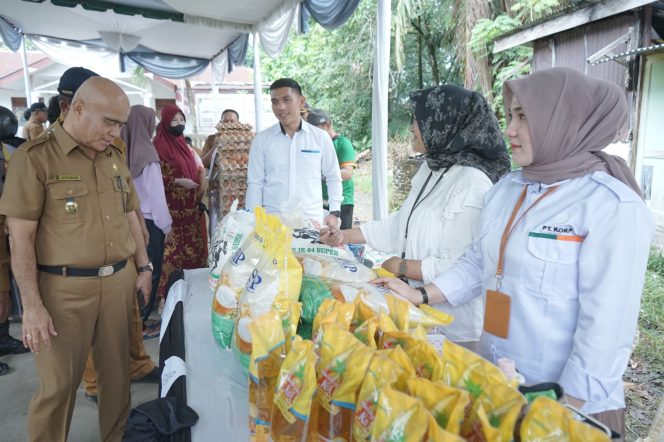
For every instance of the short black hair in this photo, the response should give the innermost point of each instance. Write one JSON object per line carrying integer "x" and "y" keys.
{"x": 286, "y": 82}
{"x": 53, "y": 111}
{"x": 230, "y": 110}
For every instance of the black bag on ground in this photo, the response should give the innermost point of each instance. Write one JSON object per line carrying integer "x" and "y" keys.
{"x": 158, "y": 420}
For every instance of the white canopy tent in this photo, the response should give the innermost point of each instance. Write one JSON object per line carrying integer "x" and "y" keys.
{"x": 204, "y": 29}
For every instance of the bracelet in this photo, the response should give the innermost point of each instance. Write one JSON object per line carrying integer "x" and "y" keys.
{"x": 425, "y": 295}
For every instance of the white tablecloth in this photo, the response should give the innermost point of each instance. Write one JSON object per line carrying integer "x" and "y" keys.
{"x": 216, "y": 385}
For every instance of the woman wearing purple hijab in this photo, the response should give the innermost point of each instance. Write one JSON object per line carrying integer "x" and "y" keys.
{"x": 143, "y": 162}
{"x": 563, "y": 245}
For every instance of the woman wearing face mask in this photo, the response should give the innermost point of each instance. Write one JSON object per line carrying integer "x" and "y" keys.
{"x": 563, "y": 244}
{"x": 465, "y": 154}
{"x": 184, "y": 177}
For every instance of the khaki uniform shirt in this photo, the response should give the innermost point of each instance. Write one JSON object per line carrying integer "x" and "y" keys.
{"x": 32, "y": 130}
{"x": 81, "y": 204}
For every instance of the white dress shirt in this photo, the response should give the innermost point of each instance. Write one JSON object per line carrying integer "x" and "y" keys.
{"x": 284, "y": 169}
{"x": 440, "y": 230}
{"x": 574, "y": 268}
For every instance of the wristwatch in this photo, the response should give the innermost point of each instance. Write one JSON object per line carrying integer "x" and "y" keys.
{"x": 146, "y": 268}
{"x": 425, "y": 295}
{"x": 403, "y": 268}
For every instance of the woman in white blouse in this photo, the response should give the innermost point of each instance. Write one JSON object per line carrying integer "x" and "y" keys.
{"x": 465, "y": 154}
{"x": 563, "y": 245}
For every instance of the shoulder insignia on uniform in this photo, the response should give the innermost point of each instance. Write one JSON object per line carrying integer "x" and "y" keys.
{"x": 36, "y": 142}
{"x": 619, "y": 189}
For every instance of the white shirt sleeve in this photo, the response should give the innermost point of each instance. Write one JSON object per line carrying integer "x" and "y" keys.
{"x": 463, "y": 281}
{"x": 611, "y": 276}
{"x": 330, "y": 169}
{"x": 255, "y": 175}
{"x": 383, "y": 235}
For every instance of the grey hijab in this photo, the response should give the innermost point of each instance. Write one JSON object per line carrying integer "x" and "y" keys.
{"x": 458, "y": 127}
{"x": 571, "y": 119}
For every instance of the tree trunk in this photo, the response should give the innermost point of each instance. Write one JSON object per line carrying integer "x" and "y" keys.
{"x": 434, "y": 64}
{"x": 476, "y": 72}
{"x": 420, "y": 76}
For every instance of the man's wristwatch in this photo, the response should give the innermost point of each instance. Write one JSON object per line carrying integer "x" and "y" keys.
{"x": 146, "y": 268}
{"x": 336, "y": 213}
{"x": 403, "y": 268}
{"x": 425, "y": 295}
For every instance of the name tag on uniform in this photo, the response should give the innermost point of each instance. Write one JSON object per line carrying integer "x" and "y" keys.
{"x": 497, "y": 314}
{"x": 557, "y": 233}
{"x": 67, "y": 177}
{"x": 310, "y": 151}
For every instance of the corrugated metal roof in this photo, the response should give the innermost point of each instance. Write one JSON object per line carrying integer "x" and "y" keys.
{"x": 638, "y": 51}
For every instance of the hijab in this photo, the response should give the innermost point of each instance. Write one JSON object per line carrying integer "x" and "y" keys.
{"x": 174, "y": 150}
{"x": 459, "y": 127}
{"x": 137, "y": 136}
{"x": 571, "y": 119}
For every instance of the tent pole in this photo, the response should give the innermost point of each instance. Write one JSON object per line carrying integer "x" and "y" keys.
{"x": 26, "y": 73}
{"x": 258, "y": 85}
{"x": 379, "y": 109}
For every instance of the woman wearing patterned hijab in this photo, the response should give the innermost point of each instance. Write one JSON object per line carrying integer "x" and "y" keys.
{"x": 563, "y": 244}
{"x": 465, "y": 154}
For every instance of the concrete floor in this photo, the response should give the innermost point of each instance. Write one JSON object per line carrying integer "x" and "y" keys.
{"x": 17, "y": 387}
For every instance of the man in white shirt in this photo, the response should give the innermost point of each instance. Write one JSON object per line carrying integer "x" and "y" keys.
{"x": 287, "y": 161}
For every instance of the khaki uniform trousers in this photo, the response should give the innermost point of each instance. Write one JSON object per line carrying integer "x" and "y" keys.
{"x": 87, "y": 313}
{"x": 140, "y": 363}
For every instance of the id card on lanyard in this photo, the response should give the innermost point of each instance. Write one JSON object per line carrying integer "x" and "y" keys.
{"x": 498, "y": 304}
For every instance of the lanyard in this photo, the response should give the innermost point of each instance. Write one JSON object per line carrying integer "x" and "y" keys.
{"x": 418, "y": 202}
{"x": 509, "y": 228}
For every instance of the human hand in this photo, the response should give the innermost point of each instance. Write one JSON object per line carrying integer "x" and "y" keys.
{"x": 187, "y": 183}
{"x": 392, "y": 265}
{"x": 37, "y": 328}
{"x": 332, "y": 237}
{"x": 400, "y": 288}
{"x": 169, "y": 237}
{"x": 332, "y": 221}
{"x": 144, "y": 283}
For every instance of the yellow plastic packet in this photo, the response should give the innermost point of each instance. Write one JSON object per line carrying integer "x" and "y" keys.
{"x": 423, "y": 355}
{"x": 362, "y": 313}
{"x": 386, "y": 324}
{"x": 464, "y": 369}
{"x": 268, "y": 353}
{"x": 404, "y": 314}
{"x": 235, "y": 273}
{"x": 366, "y": 332}
{"x": 382, "y": 371}
{"x": 398, "y": 355}
{"x": 295, "y": 391}
{"x": 399, "y": 309}
{"x": 343, "y": 363}
{"x": 338, "y": 313}
{"x": 399, "y": 417}
{"x": 494, "y": 414}
{"x": 290, "y": 312}
{"x": 547, "y": 420}
{"x": 446, "y": 404}
{"x": 437, "y": 434}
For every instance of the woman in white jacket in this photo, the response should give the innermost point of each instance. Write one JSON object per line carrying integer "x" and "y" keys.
{"x": 465, "y": 154}
{"x": 563, "y": 245}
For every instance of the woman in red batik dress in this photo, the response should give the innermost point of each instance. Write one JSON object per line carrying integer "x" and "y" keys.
{"x": 183, "y": 183}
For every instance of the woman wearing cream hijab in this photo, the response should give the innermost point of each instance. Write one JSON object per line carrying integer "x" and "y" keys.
{"x": 563, "y": 245}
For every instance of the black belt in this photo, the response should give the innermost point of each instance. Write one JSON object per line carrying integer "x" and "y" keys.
{"x": 73, "y": 271}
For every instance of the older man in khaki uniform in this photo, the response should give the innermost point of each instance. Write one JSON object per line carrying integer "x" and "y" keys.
{"x": 70, "y": 206}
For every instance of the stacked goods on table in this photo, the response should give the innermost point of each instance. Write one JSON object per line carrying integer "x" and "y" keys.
{"x": 361, "y": 366}
{"x": 233, "y": 143}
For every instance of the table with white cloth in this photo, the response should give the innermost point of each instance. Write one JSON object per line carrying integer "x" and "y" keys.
{"x": 216, "y": 387}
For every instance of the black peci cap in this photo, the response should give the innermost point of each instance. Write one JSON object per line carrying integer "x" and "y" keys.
{"x": 72, "y": 79}
{"x": 8, "y": 123}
